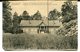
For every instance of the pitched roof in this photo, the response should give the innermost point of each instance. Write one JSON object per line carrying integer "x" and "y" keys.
{"x": 54, "y": 23}
{"x": 40, "y": 23}
{"x": 30, "y": 22}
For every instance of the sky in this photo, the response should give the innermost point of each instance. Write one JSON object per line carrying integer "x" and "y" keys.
{"x": 32, "y": 6}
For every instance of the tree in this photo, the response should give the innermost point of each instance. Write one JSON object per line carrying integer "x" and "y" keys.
{"x": 15, "y": 19}
{"x": 53, "y": 15}
{"x": 74, "y": 16}
{"x": 16, "y": 23}
{"x": 37, "y": 16}
{"x": 7, "y": 21}
{"x": 69, "y": 11}
{"x": 25, "y": 15}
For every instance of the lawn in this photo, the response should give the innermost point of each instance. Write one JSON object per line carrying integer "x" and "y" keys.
{"x": 26, "y": 41}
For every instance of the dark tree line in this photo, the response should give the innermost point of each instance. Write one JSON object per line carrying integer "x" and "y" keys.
{"x": 36, "y": 16}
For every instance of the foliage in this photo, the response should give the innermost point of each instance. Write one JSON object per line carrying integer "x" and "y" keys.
{"x": 69, "y": 11}
{"x": 69, "y": 31}
{"x": 54, "y": 15}
{"x": 16, "y": 22}
{"x": 7, "y": 21}
{"x": 69, "y": 28}
{"x": 37, "y": 16}
{"x": 69, "y": 21}
{"x": 25, "y": 16}
{"x": 74, "y": 16}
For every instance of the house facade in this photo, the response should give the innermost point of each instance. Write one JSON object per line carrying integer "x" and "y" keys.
{"x": 40, "y": 26}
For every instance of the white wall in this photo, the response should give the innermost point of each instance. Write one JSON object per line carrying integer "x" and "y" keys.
{"x": 33, "y": 30}
{"x": 52, "y": 30}
{"x": 30, "y": 30}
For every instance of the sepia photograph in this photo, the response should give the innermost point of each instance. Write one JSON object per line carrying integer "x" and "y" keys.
{"x": 40, "y": 25}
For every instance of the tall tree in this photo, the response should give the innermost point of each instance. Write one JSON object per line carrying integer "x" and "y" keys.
{"x": 25, "y": 15}
{"x": 16, "y": 23}
{"x": 54, "y": 14}
{"x": 37, "y": 16}
{"x": 7, "y": 21}
{"x": 68, "y": 11}
{"x": 15, "y": 19}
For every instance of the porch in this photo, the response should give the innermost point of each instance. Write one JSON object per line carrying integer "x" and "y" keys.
{"x": 43, "y": 29}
